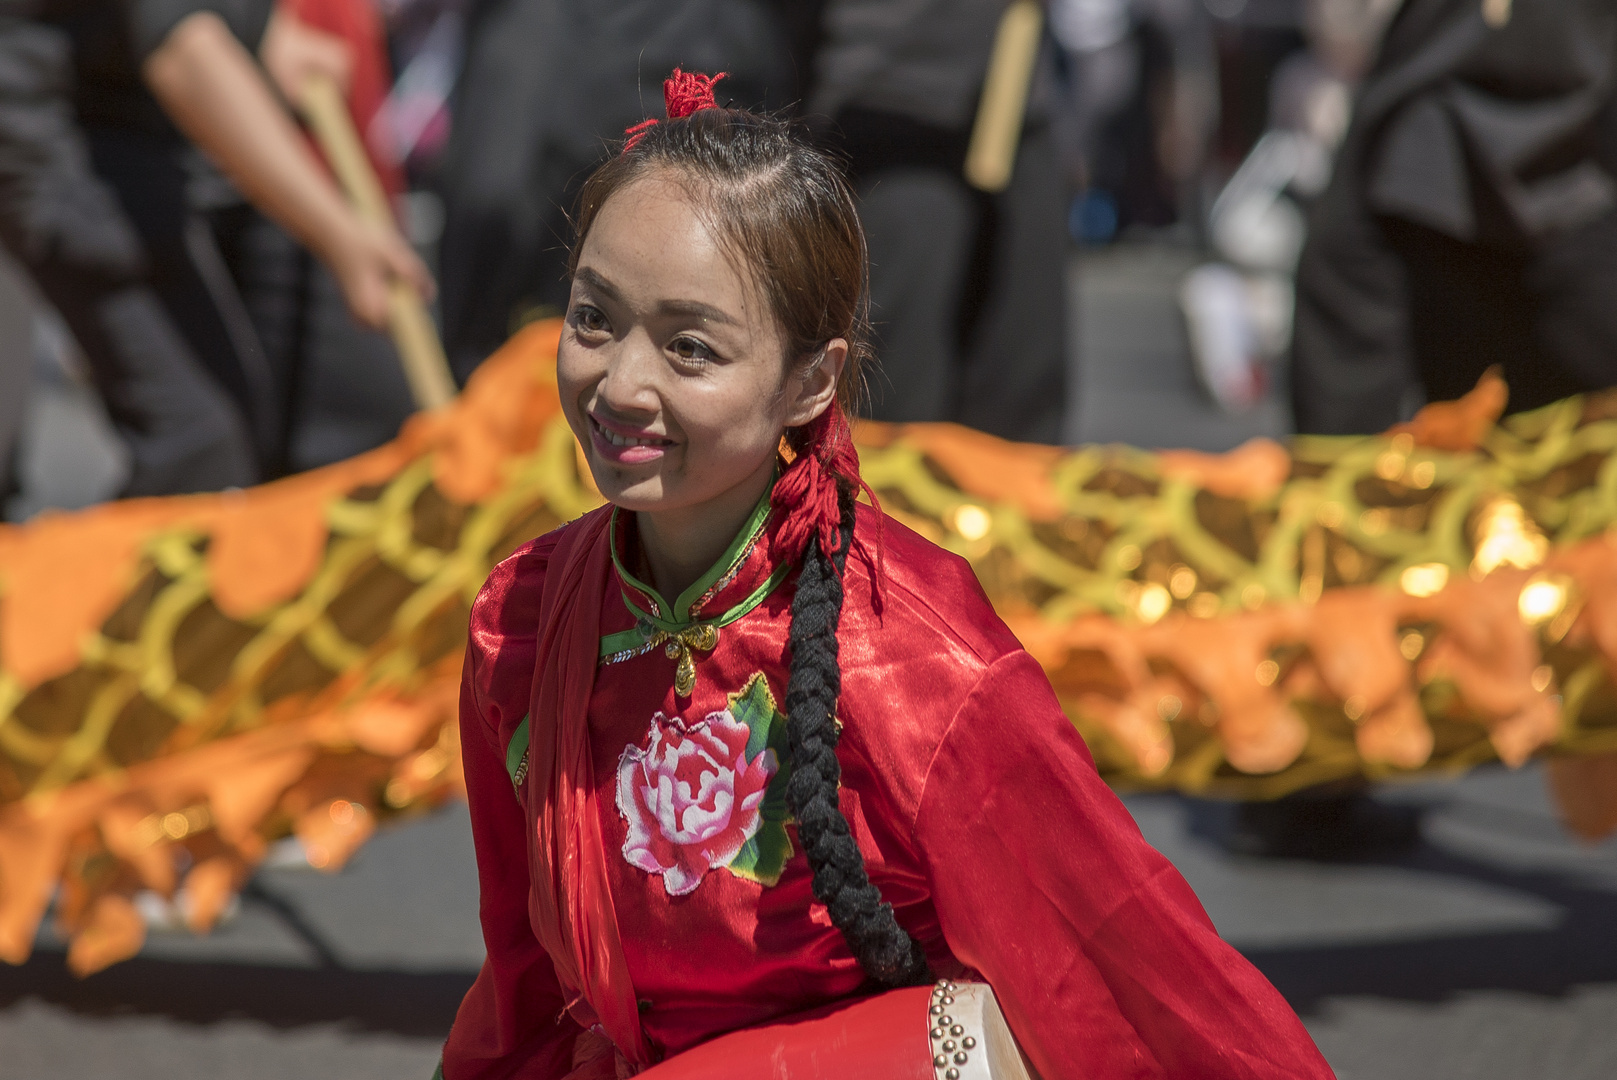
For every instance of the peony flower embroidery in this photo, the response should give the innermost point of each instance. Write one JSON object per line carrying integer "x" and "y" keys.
{"x": 709, "y": 793}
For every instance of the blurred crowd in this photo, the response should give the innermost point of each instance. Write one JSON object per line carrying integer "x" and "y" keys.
{"x": 1391, "y": 196}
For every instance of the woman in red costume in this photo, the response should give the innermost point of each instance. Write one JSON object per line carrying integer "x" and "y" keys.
{"x": 738, "y": 747}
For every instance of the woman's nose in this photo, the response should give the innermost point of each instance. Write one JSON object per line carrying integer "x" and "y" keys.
{"x": 630, "y": 382}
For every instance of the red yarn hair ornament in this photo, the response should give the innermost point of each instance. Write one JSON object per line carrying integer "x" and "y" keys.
{"x": 807, "y": 492}
{"x": 684, "y": 92}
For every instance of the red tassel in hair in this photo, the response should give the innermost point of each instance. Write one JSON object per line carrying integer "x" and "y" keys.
{"x": 684, "y": 92}
{"x": 807, "y": 494}
{"x": 687, "y": 92}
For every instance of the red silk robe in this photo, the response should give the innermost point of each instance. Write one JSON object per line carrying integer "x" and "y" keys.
{"x": 975, "y": 802}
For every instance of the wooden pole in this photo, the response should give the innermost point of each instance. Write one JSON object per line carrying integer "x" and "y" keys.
{"x": 991, "y": 155}
{"x": 413, "y": 332}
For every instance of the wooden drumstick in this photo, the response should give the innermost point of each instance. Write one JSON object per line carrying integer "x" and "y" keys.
{"x": 998, "y": 129}
{"x": 413, "y": 332}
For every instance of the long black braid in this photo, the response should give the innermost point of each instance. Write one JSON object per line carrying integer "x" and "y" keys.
{"x": 885, "y": 950}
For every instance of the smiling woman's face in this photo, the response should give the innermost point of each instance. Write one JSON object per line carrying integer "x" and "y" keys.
{"x": 672, "y": 367}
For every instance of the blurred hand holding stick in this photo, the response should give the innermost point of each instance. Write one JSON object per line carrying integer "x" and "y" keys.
{"x": 412, "y": 329}
{"x": 991, "y": 155}
{"x": 212, "y": 89}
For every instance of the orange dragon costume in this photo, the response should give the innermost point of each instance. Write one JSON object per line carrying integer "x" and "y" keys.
{"x": 203, "y": 675}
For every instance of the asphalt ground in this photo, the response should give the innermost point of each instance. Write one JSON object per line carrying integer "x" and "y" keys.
{"x": 1489, "y": 951}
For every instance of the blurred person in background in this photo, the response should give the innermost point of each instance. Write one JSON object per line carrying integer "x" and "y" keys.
{"x": 99, "y": 202}
{"x": 427, "y": 43}
{"x": 1471, "y": 219}
{"x": 1141, "y": 105}
{"x": 336, "y": 385}
{"x": 544, "y": 85}
{"x": 968, "y": 289}
{"x": 1238, "y": 310}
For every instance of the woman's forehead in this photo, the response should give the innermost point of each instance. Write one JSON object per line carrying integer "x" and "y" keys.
{"x": 652, "y": 244}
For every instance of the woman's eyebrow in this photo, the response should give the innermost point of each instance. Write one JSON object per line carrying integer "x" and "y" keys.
{"x": 595, "y": 281}
{"x": 592, "y": 279}
{"x": 697, "y": 309}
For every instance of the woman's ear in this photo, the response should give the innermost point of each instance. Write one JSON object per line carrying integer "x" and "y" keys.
{"x": 814, "y": 387}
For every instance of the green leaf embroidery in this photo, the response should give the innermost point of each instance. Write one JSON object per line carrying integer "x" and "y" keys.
{"x": 755, "y": 707}
{"x": 763, "y": 857}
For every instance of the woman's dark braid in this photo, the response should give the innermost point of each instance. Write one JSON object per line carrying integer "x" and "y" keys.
{"x": 887, "y": 953}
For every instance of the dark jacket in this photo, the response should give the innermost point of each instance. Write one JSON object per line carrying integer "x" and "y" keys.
{"x": 1491, "y": 134}
{"x": 1490, "y": 144}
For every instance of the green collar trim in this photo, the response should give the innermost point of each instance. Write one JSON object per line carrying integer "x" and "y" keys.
{"x": 652, "y": 627}
{"x": 682, "y": 613}
{"x": 624, "y": 645}
{"x": 627, "y": 644}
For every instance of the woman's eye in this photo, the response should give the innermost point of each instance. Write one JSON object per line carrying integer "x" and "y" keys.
{"x": 690, "y": 350}
{"x": 589, "y": 319}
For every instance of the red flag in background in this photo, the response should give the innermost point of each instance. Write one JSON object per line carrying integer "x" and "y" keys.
{"x": 358, "y": 23}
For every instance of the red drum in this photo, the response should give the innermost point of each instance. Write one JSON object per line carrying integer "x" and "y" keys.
{"x": 951, "y": 1031}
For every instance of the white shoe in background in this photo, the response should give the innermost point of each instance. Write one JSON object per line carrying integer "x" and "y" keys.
{"x": 1238, "y": 326}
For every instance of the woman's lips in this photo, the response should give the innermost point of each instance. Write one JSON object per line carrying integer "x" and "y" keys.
{"x": 626, "y": 446}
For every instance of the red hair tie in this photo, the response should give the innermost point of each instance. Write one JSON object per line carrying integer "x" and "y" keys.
{"x": 684, "y": 92}
{"x": 807, "y": 492}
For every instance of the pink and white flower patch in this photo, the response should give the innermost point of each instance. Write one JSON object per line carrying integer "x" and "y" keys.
{"x": 692, "y": 798}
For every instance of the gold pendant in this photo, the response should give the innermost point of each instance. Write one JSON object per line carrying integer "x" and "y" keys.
{"x": 703, "y": 636}
{"x": 685, "y": 673}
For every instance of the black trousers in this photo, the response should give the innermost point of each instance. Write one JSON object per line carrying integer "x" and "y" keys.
{"x": 16, "y": 363}
{"x": 339, "y": 388}
{"x": 967, "y": 290}
{"x": 1385, "y": 305}
{"x": 1549, "y": 318}
{"x": 72, "y": 233}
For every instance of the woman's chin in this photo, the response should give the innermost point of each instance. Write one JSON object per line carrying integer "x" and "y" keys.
{"x": 653, "y": 496}
{"x": 659, "y": 488}
{"x": 637, "y": 493}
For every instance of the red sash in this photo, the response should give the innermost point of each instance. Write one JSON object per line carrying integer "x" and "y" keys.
{"x": 570, "y": 901}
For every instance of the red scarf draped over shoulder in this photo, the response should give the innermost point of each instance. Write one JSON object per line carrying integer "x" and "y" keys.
{"x": 570, "y": 901}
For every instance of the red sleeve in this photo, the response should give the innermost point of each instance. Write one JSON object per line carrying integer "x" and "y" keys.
{"x": 511, "y": 1024}
{"x": 1100, "y": 954}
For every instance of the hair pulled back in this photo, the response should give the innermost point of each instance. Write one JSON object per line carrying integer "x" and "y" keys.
{"x": 785, "y": 213}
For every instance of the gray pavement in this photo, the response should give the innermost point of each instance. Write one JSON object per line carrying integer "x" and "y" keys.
{"x": 349, "y": 975}
{"x": 1134, "y": 382}
{"x": 1488, "y": 952}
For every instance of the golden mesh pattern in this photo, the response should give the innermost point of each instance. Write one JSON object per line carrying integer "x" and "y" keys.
{"x": 1158, "y": 552}
{"x": 1240, "y": 625}
{"x": 169, "y": 671}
